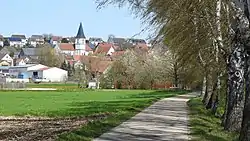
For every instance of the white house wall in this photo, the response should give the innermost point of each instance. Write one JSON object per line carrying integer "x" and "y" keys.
{"x": 33, "y": 43}
{"x": 8, "y": 59}
{"x": 16, "y": 43}
{"x": 21, "y": 63}
{"x": 68, "y": 52}
{"x": 1, "y": 43}
{"x": 55, "y": 75}
{"x": 111, "y": 50}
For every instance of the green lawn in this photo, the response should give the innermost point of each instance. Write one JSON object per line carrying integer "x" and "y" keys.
{"x": 205, "y": 126}
{"x": 120, "y": 104}
{"x": 53, "y": 103}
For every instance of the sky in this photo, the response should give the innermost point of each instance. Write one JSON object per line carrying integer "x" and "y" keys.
{"x": 62, "y": 17}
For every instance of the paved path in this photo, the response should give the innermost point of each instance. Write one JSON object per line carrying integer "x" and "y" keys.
{"x": 33, "y": 89}
{"x": 166, "y": 120}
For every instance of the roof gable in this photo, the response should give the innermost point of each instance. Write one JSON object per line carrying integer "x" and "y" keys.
{"x": 103, "y": 48}
{"x": 56, "y": 38}
{"x": 2, "y": 55}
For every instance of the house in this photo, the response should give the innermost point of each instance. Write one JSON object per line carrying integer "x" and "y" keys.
{"x": 95, "y": 65}
{"x": 12, "y": 51}
{"x": 55, "y": 40}
{"x": 95, "y": 41}
{"x": 105, "y": 49}
{"x": 115, "y": 40}
{"x": 26, "y": 60}
{"x": 19, "y": 62}
{"x": 15, "y": 42}
{"x": 34, "y": 40}
{"x": 48, "y": 74}
{"x": 22, "y": 37}
{"x": 136, "y": 41}
{"x": 32, "y": 54}
{"x": 65, "y": 48}
{"x": 1, "y": 40}
{"x": 117, "y": 54}
{"x": 5, "y": 60}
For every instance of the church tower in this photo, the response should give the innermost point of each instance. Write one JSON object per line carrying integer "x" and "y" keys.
{"x": 80, "y": 42}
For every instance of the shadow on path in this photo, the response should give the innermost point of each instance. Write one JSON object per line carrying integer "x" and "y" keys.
{"x": 166, "y": 120}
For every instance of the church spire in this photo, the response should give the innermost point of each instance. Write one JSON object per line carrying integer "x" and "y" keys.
{"x": 80, "y": 33}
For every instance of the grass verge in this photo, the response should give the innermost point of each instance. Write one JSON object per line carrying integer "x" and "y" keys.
{"x": 205, "y": 126}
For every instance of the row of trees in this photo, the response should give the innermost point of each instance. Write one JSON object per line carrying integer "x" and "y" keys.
{"x": 212, "y": 36}
{"x": 137, "y": 69}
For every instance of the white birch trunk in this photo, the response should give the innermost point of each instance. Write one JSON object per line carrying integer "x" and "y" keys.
{"x": 236, "y": 72}
{"x": 204, "y": 86}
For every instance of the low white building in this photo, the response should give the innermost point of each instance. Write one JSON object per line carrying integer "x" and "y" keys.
{"x": 39, "y": 71}
{"x": 24, "y": 71}
{"x": 53, "y": 74}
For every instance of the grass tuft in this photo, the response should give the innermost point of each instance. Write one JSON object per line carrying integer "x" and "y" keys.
{"x": 205, "y": 126}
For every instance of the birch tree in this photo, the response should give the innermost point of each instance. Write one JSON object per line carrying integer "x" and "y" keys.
{"x": 194, "y": 30}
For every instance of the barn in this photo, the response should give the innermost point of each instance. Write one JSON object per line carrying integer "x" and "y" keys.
{"x": 52, "y": 74}
{"x": 39, "y": 71}
{"x": 55, "y": 74}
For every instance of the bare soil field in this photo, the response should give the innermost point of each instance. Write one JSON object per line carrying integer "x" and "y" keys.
{"x": 41, "y": 129}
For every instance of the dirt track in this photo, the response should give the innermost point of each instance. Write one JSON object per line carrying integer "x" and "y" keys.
{"x": 40, "y": 129}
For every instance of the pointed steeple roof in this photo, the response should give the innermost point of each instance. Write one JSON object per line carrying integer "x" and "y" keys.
{"x": 80, "y": 33}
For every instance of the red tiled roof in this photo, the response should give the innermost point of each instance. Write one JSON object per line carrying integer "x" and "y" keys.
{"x": 66, "y": 46}
{"x": 96, "y": 64}
{"x": 103, "y": 48}
{"x": 56, "y": 38}
{"x": 100, "y": 66}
